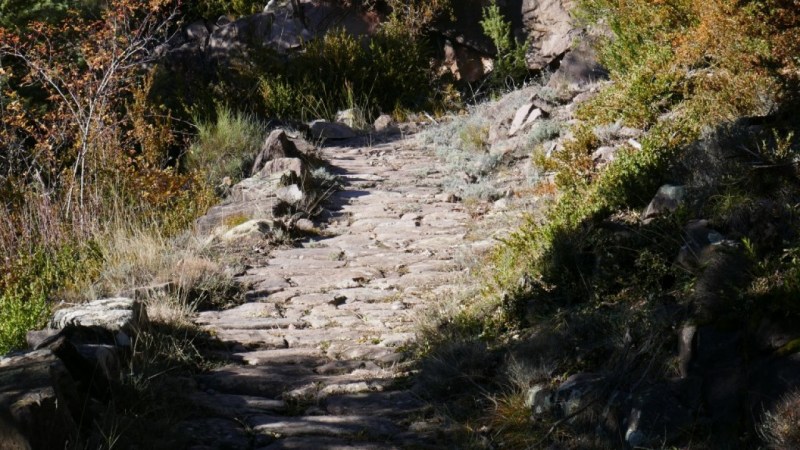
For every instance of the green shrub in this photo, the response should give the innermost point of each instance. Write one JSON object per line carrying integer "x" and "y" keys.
{"x": 28, "y": 284}
{"x": 510, "y": 66}
{"x": 18, "y": 13}
{"x": 226, "y": 147}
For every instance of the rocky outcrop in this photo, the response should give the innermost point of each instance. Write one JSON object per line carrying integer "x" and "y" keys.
{"x": 284, "y": 28}
{"x": 39, "y": 402}
{"x": 545, "y": 24}
{"x": 549, "y": 28}
{"x": 281, "y": 172}
{"x": 47, "y": 393}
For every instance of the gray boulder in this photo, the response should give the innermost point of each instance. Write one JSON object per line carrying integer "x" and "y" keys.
{"x": 385, "y": 124}
{"x": 352, "y": 117}
{"x": 276, "y": 145}
{"x": 578, "y": 69}
{"x": 667, "y": 200}
{"x": 662, "y": 413}
{"x": 322, "y": 129}
{"x": 577, "y": 392}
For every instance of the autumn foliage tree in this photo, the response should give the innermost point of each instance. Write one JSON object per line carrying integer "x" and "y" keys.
{"x": 80, "y": 147}
{"x": 85, "y": 70}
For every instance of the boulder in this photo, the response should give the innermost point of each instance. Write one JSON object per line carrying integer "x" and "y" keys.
{"x": 38, "y": 402}
{"x": 280, "y": 31}
{"x": 385, "y": 124}
{"x": 322, "y": 129}
{"x": 197, "y": 31}
{"x": 715, "y": 356}
{"x": 525, "y": 116}
{"x": 579, "y": 68}
{"x": 663, "y": 412}
{"x": 293, "y": 166}
{"x": 352, "y": 117}
{"x": 577, "y": 392}
{"x": 545, "y": 24}
{"x": 276, "y": 145}
{"x": 540, "y": 399}
{"x": 667, "y": 200}
{"x": 604, "y": 155}
{"x": 120, "y": 314}
{"x": 519, "y": 118}
{"x": 465, "y": 63}
{"x": 321, "y": 17}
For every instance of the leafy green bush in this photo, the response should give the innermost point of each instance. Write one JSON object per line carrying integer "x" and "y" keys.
{"x": 18, "y": 13}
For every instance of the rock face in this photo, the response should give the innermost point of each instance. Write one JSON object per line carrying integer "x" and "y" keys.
{"x": 283, "y": 162}
{"x": 550, "y": 29}
{"x": 48, "y": 394}
{"x": 38, "y": 402}
{"x": 667, "y": 200}
{"x": 545, "y": 24}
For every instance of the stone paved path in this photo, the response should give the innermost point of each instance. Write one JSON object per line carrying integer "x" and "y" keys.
{"x": 318, "y": 354}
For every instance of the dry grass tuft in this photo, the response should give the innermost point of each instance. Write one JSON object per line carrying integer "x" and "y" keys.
{"x": 781, "y": 427}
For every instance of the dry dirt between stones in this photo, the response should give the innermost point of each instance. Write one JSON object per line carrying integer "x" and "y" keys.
{"x": 318, "y": 352}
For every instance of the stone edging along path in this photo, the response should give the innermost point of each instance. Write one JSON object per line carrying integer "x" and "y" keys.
{"x": 318, "y": 351}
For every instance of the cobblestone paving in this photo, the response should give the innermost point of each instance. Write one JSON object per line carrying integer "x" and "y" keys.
{"x": 317, "y": 359}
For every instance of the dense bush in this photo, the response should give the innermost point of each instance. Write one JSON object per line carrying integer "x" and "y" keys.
{"x": 226, "y": 148}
